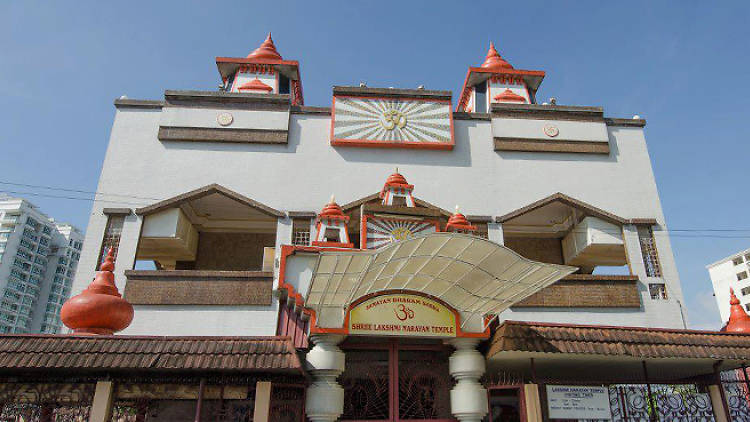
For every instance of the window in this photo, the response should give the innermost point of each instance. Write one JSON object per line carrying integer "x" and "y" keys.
{"x": 301, "y": 232}
{"x": 745, "y": 291}
{"x": 747, "y": 257}
{"x": 742, "y": 275}
{"x": 648, "y": 251}
{"x": 658, "y": 291}
{"x": 480, "y": 97}
{"x": 332, "y": 235}
{"x": 737, "y": 261}
{"x": 111, "y": 239}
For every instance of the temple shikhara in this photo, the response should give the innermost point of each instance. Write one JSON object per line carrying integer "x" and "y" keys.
{"x": 397, "y": 255}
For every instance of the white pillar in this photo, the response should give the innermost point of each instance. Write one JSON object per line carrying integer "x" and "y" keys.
{"x": 717, "y": 403}
{"x": 468, "y": 397}
{"x": 101, "y": 407}
{"x": 262, "y": 410}
{"x": 495, "y": 233}
{"x": 325, "y": 362}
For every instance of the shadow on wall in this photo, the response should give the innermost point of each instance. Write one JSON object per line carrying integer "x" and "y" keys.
{"x": 460, "y": 156}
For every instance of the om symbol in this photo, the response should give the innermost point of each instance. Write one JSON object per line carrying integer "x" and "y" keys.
{"x": 401, "y": 233}
{"x": 392, "y": 118}
{"x": 403, "y": 313}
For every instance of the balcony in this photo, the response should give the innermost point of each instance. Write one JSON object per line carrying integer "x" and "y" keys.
{"x": 587, "y": 291}
{"x": 198, "y": 287}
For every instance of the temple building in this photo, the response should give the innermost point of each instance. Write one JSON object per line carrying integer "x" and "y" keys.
{"x": 395, "y": 256}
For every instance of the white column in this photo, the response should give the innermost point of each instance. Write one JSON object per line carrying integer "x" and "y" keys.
{"x": 495, "y": 233}
{"x": 325, "y": 362}
{"x": 468, "y": 397}
{"x": 101, "y": 407}
{"x": 262, "y": 410}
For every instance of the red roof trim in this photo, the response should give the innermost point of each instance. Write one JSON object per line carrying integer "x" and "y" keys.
{"x": 616, "y": 327}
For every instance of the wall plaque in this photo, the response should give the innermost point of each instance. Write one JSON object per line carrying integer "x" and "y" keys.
{"x": 401, "y": 314}
{"x": 578, "y": 402}
{"x": 392, "y": 121}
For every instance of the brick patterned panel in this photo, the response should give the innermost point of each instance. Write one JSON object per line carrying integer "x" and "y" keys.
{"x": 198, "y": 287}
{"x": 587, "y": 291}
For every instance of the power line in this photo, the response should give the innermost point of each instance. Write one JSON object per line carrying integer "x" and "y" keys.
{"x": 673, "y": 233}
{"x": 75, "y": 190}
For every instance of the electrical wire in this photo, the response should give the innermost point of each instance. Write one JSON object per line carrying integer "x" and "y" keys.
{"x": 672, "y": 233}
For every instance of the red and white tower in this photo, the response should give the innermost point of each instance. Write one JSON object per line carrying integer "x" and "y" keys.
{"x": 397, "y": 191}
{"x": 331, "y": 227}
{"x": 497, "y": 81}
{"x": 263, "y": 71}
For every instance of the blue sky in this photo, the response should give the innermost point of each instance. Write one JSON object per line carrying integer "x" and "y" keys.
{"x": 681, "y": 65}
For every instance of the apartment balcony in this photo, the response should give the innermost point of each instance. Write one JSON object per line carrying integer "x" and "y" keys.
{"x": 198, "y": 287}
{"x": 587, "y": 291}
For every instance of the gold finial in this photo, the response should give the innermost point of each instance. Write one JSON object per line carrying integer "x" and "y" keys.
{"x": 457, "y": 208}
{"x": 396, "y": 169}
{"x": 333, "y": 199}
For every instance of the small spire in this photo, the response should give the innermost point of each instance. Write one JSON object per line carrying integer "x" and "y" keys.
{"x": 100, "y": 309}
{"x": 457, "y": 209}
{"x": 267, "y": 50}
{"x": 739, "y": 321}
{"x": 333, "y": 199}
{"x": 494, "y": 61}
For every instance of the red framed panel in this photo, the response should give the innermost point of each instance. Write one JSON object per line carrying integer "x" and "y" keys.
{"x": 416, "y": 228}
{"x": 381, "y": 143}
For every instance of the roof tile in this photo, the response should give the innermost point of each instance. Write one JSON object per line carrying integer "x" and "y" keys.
{"x": 125, "y": 352}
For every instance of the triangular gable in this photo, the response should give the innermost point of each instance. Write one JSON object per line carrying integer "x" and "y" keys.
{"x": 206, "y": 191}
{"x": 376, "y": 196}
{"x": 567, "y": 200}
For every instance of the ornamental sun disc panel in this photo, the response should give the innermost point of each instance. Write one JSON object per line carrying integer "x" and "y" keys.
{"x": 392, "y": 122}
{"x": 381, "y": 232}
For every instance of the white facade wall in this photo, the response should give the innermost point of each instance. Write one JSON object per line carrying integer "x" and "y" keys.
{"x": 725, "y": 274}
{"x": 302, "y": 175}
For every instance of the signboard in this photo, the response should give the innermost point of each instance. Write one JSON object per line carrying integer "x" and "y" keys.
{"x": 578, "y": 402}
{"x": 402, "y": 315}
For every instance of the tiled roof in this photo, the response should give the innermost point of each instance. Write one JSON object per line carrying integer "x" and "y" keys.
{"x": 643, "y": 343}
{"x": 70, "y": 352}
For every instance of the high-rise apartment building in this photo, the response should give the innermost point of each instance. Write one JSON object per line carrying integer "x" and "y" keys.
{"x": 731, "y": 273}
{"x": 38, "y": 260}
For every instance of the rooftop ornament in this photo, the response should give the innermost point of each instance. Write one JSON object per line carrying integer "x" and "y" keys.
{"x": 739, "y": 321}
{"x": 332, "y": 211}
{"x": 494, "y": 61}
{"x": 100, "y": 309}
{"x": 509, "y": 95}
{"x": 395, "y": 180}
{"x": 459, "y": 222}
{"x": 267, "y": 50}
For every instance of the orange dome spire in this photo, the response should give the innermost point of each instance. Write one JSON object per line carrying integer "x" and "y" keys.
{"x": 255, "y": 85}
{"x": 332, "y": 210}
{"x": 267, "y": 50}
{"x": 100, "y": 309}
{"x": 739, "y": 321}
{"x": 458, "y": 221}
{"x": 396, "y": 180}
{"x": 506, "y": 96}
{"x": 494, "y": 61}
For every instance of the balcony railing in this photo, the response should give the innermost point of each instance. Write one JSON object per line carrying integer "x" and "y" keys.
{"x": 198, "y": 287}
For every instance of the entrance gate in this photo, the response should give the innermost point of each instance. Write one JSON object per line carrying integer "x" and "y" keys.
{"x": 390, "y": 381}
